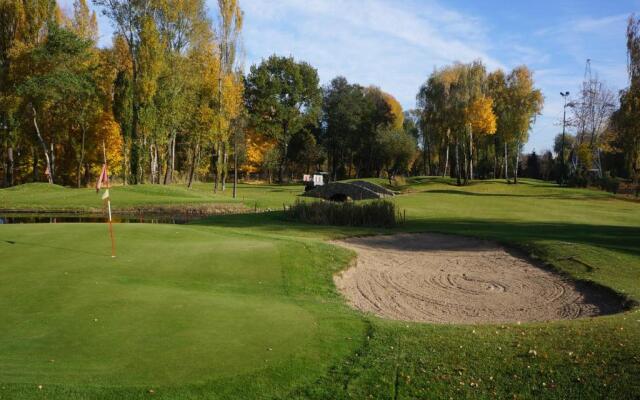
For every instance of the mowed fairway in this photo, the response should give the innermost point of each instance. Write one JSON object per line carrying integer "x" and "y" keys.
{"x": 243, "y": 306}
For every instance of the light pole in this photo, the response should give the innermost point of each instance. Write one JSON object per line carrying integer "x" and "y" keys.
{"x": 564, "y": 95}
{"x": 8, "y": 173}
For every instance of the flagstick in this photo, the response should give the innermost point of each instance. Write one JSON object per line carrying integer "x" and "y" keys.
{"x": 113, "y": 242}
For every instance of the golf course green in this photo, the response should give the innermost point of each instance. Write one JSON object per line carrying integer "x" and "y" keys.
{"x": 244, "y": 306}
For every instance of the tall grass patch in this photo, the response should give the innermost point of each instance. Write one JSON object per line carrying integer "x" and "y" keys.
{"x": 379, "y": 213}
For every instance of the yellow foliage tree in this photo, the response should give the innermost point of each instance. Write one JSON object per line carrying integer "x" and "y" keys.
{"x": 108, "y": 132}
{"x": 396, "y": 110}
{"x": 257, "y": 145}
{"x": 480, "y": 116}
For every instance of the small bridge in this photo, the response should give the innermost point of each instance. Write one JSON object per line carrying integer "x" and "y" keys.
{"x": 356, "y": 190}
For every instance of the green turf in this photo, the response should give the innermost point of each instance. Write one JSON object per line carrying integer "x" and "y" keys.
{"x": 42, "y": 196}
{"x": 192, "y": 311}
{"x": 193, "y": 306}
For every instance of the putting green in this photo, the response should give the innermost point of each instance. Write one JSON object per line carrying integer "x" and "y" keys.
{"x": 180, "y": 305}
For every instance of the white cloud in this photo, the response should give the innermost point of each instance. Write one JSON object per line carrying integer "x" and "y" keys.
{"x": 391, "y": 44}
{"x": 396, "y": 44}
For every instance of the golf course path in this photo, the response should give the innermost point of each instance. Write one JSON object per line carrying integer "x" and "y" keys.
{"x": 451, "y": 279}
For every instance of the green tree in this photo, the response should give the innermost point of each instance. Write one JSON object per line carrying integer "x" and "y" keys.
{"x": 626, "y": 119}
{"x": 230, "y": 86}
{"x": 344, "y": 105}
{"x": 397, "y": 150}
{"x": 57, "y": 86}
{"x": 282, "y": 96}
{"x": 130, "y": 18}
{"x": 23, "y": 26}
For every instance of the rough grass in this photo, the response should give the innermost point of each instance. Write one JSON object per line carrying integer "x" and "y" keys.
{"x": 379, "y": 213}
{"x": 585, "y": 234}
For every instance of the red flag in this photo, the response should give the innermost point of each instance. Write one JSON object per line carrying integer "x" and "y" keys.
{"x": 103, "y": 178}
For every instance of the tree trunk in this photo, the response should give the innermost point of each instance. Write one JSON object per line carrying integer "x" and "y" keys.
{"x": 225, "y": 165}
{"x": 44, "y": 147}
{"x": 424, "y": 154}
{"x": 219, "y": 166}
{"x": 81, "y": 159}
{"x": 515, "y": 167}
{"x": 506, "y": 163}
{"x": 10, "y": 167}
{"x": 125, "y": 161}
{"x": 465, "y": 163}
{"x": 36, "y": 161}
{"x": 282, "y": 163}
{"x": 235, "y": 165}
{"x": 153, "y": 155}
{"x": 495, "y": 158}
{"x": 470, "y": 154}
{"x": 171, "y": 163}
{"x": 457, "y": 164}
{"x": 136, "y": 175}
{"x": 428, "y": 150}
{"x": 446, "y": 161}
{"x": 214, "y": 164}
{"x": 193, "y": 165}
{"x": 52, "y": 154}
{"x": 87, "y": 174}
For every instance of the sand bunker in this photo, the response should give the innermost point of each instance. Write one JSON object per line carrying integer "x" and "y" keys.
{"x": 450, "y": 279}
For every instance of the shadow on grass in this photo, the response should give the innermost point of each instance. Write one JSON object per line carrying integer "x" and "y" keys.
{"x": 619, "y": 238}
{"x": 559, "y": 196}
{"x": 41, "y": 245}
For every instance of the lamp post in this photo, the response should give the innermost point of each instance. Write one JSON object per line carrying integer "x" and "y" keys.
{"x": 8, "y": 173}
{"x": 564, "y": 95}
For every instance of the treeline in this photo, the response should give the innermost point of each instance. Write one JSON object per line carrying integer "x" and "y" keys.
{"x": 475, "y": 123}
{"x": 601, "y": 145}
{"x": 169, "y": 102}
{"x": 165, "y": 99}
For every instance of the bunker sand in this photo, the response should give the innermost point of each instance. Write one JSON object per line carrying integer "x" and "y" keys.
{"x": 450, "y": 279}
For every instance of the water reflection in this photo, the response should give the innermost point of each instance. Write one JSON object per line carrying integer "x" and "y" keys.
{"x": 77, "y": 218}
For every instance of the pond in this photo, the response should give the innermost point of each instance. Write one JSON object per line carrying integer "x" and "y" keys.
{"x": 44, "y": 218}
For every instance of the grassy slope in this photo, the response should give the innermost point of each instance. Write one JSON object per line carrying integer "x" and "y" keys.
{"x": 42, "y": 196}
{"x": 591, "y": 358}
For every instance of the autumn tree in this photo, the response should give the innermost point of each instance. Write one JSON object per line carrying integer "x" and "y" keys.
{"x": 57, "y": 85}
{"x": 203, "y": 93}
{"x": 626, "y": 119}
{"x": 230, "y": 86}
{"x": 24, "y": 25}
{"x": 525, "y": 103}
{"x": 131, "y": 19}
{"x": 516, "y": 104}
{"x": 84, "y": 22}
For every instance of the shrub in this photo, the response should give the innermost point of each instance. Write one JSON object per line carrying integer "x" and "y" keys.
{"x": 578, "y": 179}
{"x": 399, "y": 180}
{"x": 379, "y": 213}
{"x": 582, "y": 179}
{"x": 609, "y": 184}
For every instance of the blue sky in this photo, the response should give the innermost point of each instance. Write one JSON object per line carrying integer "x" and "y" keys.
{"x": 396, "y": 44}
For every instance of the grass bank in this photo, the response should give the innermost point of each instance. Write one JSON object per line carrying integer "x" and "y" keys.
{"x": 147, "y": 198}
{"x": 243, "y": 306}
